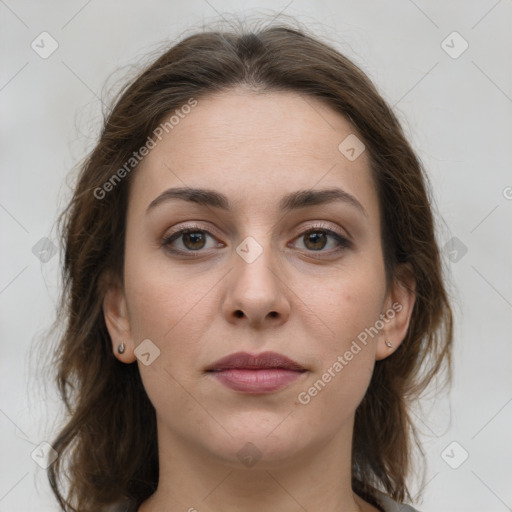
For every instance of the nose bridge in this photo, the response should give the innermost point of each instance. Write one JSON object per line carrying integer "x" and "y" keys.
{"x": 254, "y": 264}
{"x": 256, "y": 287}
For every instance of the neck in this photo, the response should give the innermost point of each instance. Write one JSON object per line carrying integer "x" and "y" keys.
{"x": 317, "y": 479}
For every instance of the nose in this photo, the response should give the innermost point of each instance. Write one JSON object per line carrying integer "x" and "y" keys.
{"x": 256, "y": 293}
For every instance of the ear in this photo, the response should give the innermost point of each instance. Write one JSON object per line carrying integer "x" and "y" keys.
{"x": 397, "y": 311}
{"x": 117, "y": 320}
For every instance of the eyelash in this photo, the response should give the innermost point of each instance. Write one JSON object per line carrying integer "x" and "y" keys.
{"x": 343, "y": 243}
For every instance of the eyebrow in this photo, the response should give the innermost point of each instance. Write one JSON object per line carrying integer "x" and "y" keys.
{"x": 291, "y": 201}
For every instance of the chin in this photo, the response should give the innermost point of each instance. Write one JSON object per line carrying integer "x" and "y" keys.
{"x": 258, "y": 441}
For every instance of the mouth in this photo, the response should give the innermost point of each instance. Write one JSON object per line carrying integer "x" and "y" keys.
{"x": 255, "y": 374}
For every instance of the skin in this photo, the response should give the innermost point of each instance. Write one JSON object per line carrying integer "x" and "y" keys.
{"x": 304, "y": 303}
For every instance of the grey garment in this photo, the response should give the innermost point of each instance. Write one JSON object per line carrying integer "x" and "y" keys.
{"x": 387, "y": 504}
{"x": 390, "y": 505}
{"x": 124, "y": 506}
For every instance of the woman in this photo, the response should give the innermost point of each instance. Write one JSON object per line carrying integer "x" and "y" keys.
{"x": 253, "y": 288}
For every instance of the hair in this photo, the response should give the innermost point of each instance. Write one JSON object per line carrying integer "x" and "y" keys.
{"x": 108, "y": 444}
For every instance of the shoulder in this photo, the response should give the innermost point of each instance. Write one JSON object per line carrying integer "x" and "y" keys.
{"x": 389, "y": 505}
{"x": 124, "y": 506}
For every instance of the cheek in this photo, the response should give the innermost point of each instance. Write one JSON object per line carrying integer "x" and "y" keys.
{"x": 166, "y": 309}
{"x": 174, "y": 311}
{"x": 346, "y": 360}
{"x": 353, "y": 303}
{"x": 160, "y": 299}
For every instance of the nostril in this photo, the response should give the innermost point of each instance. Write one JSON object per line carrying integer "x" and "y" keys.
{"x": 239, "y": 313}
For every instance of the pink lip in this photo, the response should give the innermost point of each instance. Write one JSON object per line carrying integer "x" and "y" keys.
{"x": 261, "y": 373}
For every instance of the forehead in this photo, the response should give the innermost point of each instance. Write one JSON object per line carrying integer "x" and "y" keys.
{"x": 255, "y": 147}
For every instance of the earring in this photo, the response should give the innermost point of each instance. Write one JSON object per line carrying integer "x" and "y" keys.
{"x": 121, "y": 348}
{"x": 388, "y": 344}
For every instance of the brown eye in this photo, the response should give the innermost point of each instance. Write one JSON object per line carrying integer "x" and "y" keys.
{"x": 187, "y": 240}
{"x": 319, "y": 239}
{"x": 193, "y": 240}
{"x": 315, "y": 240}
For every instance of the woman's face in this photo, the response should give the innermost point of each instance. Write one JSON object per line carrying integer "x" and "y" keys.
{"x": 265, "y": 269}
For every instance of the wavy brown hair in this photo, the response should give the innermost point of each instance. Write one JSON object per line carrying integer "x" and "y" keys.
{"x": 108, "y": 446}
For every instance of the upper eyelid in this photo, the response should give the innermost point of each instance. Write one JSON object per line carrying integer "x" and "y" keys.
{"x": 316, "y": 225}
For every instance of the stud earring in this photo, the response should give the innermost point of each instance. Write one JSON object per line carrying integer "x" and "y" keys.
{"x": 121, "y": 348}
{"x": 388, "y": 344}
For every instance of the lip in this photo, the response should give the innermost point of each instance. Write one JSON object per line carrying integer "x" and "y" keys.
{"x": 256, "y": 373}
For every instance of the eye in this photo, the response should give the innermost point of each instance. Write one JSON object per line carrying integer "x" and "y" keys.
{"x": 318, "y": 238}
{"x": 191, "y": 239}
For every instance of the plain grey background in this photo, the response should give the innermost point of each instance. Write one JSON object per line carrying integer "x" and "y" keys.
{"x": 455, "y": 103}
